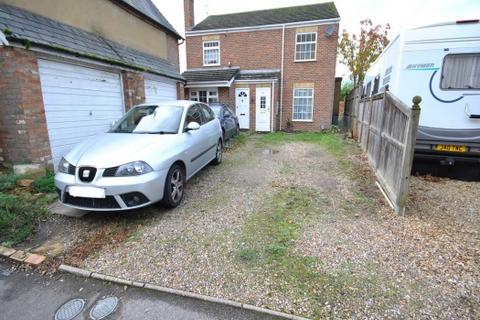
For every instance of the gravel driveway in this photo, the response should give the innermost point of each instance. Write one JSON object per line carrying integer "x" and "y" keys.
{"x": 300, "y": 227}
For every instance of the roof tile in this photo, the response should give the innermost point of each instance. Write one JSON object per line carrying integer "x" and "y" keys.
{"x": 147, "y": 8}
{"x": 319, "y": 11}
{"x": 217, "y": 74}
{"x": 46, "y": 32}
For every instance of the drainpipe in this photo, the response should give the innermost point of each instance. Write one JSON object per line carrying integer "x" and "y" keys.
{"x": 272, "y": 105}
{"x": 281, "y": 77}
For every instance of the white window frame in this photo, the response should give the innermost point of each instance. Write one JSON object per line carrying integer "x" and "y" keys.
{"x": 211, "y": 48}
{"x": 195, "y": 94}
{"x": 293, "y": 104}
{"x": 442, "y": 78}
{"x": 308, "y": 42}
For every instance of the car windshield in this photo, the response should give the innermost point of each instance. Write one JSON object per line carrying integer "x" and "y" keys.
{"x": 217, "y": 110}
{"x": 150, "y": 119}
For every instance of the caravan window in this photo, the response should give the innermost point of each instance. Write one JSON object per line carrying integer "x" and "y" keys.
{"x": 386, "y": 78}
{"x": 461, "y": 71}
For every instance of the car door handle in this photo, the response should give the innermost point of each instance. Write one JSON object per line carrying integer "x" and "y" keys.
{"x": 242, "y": 114}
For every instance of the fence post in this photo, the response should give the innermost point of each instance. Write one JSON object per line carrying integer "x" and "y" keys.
{"x": 369, "y": 124}
{"x": 407, "y": 160}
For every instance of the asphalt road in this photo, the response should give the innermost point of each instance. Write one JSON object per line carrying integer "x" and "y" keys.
{"x": 30, "y": 296}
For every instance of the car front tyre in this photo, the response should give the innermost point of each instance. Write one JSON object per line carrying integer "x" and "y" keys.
{"x": 174, "y": 186}
{"x": 219, "y": 153}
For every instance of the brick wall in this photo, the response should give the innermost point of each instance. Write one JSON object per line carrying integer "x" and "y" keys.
{"x": 181, "y": 91}
{"x": 224, "y": 96}
{"x": 172, "y": 51}
{"x": 249, "y": 50}
{"x": 133, "y": 88}
{"x": 262, "y": 50}
{"x": 320, "y": 72}
{"x": 23, "y": 126}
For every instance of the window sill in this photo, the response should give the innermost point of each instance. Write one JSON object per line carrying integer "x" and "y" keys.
{"x": 212, "y": 65}
{"x": 312, "y": 60}
{"x": 302, "y": 120}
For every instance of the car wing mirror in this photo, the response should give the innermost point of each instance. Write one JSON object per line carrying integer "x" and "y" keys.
{"x": 193, "y": 126}
{"x": 112, "y": 124}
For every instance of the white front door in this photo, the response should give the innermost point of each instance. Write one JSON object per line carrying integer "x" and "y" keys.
{"x": 262, "y": 114}
{"x": 242, "y": 107}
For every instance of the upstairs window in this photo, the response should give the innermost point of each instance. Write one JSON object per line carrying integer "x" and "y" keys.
{"x": 302, "y": 104}
{"x": 211, "y": 53}
{"x": 306, "y": 46}
{"x": 461, "y": 71}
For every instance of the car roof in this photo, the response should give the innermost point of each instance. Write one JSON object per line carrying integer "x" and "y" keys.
{"x": 179, "y": 103}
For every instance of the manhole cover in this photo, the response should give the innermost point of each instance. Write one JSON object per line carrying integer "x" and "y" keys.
{"x": 70, "y": 309}
{"x": 103, "y": 308}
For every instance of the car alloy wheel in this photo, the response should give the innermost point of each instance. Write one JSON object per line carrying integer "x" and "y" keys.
{"x": 176, "y": 183}
{"x": 174, "y": 186}
{"x": 219, "y": 153}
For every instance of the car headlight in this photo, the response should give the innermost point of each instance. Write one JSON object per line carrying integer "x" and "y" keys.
{"x": 65, "y": 167}
{"x": 135, "y": 168}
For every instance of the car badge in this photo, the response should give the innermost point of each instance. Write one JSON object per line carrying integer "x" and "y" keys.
{"x": 86, "y": 173}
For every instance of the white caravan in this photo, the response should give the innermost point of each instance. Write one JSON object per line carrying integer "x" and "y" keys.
{"x": 440, "y": 63}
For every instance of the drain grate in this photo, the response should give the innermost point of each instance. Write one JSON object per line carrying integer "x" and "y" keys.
{"x": 103, "y": 308}
{"x": 70, "y": 309}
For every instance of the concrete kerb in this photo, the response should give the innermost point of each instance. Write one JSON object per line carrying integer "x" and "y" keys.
{"x": 99, "y": 276}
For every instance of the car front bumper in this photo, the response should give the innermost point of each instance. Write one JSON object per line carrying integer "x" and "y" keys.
{"x": 121, "y": 193}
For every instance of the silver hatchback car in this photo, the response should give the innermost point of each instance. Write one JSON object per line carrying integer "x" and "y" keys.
{"x": 146, "y": 157}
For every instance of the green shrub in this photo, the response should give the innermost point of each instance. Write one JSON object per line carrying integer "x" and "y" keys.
{"x": 44, "y": 184}
{"x": 18, "y": 216}
{"x": 8, "y": 181}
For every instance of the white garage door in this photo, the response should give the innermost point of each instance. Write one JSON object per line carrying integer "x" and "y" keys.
{"x": 79, "y": 102}
{"x": 160, "y": 90}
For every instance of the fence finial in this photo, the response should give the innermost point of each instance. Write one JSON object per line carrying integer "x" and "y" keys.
{"x": 416, "y": 102}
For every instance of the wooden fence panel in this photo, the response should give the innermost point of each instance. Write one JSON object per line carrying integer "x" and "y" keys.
{"x": 386, "y": 130}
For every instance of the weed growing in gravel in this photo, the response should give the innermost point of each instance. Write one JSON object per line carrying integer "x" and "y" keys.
{"x": 19, "y": 214}
{"x": 272, "y": 233}
{"x": 332, "y": 142}
{"x": 237, "y": 141}
{"x": 45, "y": 184}
{"x": 268, "y": 243}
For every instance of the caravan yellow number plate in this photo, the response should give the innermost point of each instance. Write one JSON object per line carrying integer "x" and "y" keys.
{"x": 449, "y": 148}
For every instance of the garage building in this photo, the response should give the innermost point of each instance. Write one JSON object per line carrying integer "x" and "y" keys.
{"x": 61, "y": 83}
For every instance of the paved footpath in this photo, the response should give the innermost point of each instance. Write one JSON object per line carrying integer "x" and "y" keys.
{"x": 28, "y": 296}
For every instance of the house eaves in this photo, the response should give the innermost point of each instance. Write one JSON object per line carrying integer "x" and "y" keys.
{"x": 262, "y": 28}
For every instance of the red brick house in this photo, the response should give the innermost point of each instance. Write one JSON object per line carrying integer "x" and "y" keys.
{"x": 69, "y": 68}
{"x": 276, "y": 67}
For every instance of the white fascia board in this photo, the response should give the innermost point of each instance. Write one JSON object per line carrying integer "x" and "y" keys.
{"x": 3, "y": 39}
{"x": 256, "y": 81}
{"x": 207, "y": 84}
{"x": 264, "y": 27}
